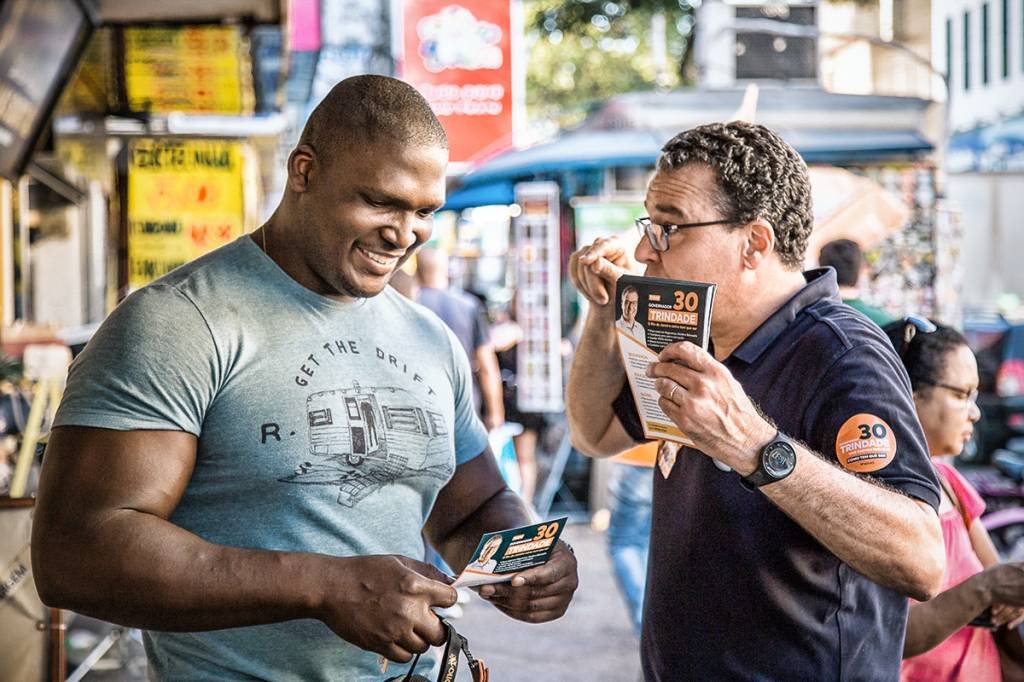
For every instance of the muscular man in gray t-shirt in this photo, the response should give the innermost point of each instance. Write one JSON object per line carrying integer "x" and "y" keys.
{"x": 249, "y": 448}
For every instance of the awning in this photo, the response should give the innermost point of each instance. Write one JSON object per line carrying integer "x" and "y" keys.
{"x": 586, "y": 149}
{"x": 994, "y": 148}
{"x": 499, "y": 192}
{"x": 573, "y": 151}
{"x": 850, "y": 147}
{"x": 193, "y": 11}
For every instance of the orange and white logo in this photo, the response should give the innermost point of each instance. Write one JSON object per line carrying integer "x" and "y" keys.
{"x": 865, "y": 443}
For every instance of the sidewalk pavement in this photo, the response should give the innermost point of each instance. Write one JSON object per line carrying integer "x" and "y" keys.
{"x": 593, "y": 641}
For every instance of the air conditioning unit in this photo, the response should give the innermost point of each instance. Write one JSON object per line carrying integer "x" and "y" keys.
{"x": 766, "y": 48}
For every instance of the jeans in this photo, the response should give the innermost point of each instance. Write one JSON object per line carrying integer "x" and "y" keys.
{"x": 629, "y": 531}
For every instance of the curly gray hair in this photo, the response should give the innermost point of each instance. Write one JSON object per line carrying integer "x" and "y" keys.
{"x": 759, "y": 176}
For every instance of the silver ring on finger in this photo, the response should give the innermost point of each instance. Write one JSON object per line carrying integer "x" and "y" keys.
{"x": 672, "y": 392}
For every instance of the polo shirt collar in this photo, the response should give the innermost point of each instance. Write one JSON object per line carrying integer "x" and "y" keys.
{"x": 821, "y": 284}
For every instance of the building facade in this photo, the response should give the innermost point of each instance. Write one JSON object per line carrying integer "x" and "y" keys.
{"x": 980, "y": 45}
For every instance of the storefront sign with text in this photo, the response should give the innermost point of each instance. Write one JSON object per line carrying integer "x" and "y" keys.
{"x": 459, "y": 56}
{"x": 184, "y": 199}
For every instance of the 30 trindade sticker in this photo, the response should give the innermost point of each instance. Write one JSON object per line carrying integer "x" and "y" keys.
{"x": 865, "y": 443}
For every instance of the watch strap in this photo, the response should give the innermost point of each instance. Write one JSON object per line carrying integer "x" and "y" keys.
{"x": 760, "y": 477}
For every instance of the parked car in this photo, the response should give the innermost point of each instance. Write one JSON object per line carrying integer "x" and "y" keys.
{"x": 999, "y": 345}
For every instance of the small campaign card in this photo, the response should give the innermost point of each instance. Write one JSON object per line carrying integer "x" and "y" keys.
{"x": 652, "y": 314}
{"x": 502, "y": 554}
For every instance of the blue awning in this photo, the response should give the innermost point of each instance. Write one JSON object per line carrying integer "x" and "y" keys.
{"x": 587, "y": 149}
{"x": 846, "y": 147}
{"x": 994, "y": 148}
{"x": 572, "y": 151}
{"x": 499, "y": 192}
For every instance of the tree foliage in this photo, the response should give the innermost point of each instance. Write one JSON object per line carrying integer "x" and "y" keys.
{"x": 583, "y": 51}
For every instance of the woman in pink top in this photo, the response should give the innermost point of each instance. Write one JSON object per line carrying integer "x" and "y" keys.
{"x": 940, "y": 644}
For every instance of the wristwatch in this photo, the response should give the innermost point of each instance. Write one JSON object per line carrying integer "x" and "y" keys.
{"x": 777, "y": 460}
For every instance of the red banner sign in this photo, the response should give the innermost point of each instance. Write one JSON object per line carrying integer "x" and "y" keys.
{"x": 460, "y": 57}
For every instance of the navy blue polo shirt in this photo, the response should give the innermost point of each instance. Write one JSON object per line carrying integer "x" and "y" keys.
{"x": 735, "y": 588}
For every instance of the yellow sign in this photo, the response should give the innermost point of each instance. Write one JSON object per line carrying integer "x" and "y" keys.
{"x": 92, "y": 89}
{"x": 192, "y": 69}
{"x": 184, "y": 199}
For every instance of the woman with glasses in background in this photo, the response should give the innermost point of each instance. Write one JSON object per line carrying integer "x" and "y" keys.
{"x": 940, "y": 643}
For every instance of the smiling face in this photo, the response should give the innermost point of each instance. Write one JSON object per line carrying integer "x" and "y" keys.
{"x": 364, "y": 213}
{"x": 489, "y": 549}
{"x": 947, "y": 415}
{"x": 630, "y": 299}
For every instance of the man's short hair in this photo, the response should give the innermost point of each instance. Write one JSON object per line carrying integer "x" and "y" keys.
{"x": 368, "y": 109}
{"x": 844, "y": 255}
{"x": 629, "y": 289}
{"x": 759, "y": 176}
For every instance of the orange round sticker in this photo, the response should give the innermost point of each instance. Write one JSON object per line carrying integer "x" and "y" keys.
{"x": 865, "y": 443}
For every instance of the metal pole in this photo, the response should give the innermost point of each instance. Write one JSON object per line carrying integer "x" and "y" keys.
{"x": 24, "y": 247}
{"x": 58, "y": 653}
{"x": 6, "y": 253}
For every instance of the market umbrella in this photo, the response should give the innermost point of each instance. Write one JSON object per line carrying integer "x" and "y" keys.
{"x": 850, "y": 206}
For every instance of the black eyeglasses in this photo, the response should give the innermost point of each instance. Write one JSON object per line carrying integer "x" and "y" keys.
{"x": 966, "y": 395}
{"x": 658, "y": 234}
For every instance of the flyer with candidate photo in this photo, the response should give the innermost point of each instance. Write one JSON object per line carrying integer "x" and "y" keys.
{"x": 502, "y": 554}
{"x": 652, "y": 313}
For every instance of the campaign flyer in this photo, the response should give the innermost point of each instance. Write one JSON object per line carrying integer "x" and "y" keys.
{"x": 502, "y": 554}
{"x": 652, "y": 313}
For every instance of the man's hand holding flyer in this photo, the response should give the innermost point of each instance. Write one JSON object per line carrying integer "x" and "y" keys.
{"x": 651, "y": 314}
{"x": 501, "y": 555}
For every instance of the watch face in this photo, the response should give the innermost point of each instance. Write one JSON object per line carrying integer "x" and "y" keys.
{"x": 779, "y": 459}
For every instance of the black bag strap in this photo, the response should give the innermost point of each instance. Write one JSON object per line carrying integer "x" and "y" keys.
{"x": 454, "y": 645}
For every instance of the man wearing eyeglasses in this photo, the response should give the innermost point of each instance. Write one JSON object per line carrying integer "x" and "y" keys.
{"x": 628, "y": 322}
{"x": 791, "y": 557}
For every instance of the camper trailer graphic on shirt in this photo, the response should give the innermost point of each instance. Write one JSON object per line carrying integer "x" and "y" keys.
{"x": 362, "y": 439}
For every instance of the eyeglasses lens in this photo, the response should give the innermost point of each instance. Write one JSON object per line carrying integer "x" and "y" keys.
{"x": 655, "y": 234}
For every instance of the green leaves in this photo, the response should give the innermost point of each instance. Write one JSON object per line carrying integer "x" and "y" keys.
{"x": 583, "y": 51}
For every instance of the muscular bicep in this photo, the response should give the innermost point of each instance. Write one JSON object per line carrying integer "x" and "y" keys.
{"x": 475, "y": 483}
{"x": 89, "y": 473}
{"x": 103, "y": 544}
{"x": 475, "y": 501}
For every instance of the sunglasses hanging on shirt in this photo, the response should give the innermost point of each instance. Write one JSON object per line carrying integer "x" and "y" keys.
{"x": 902, "y": 332}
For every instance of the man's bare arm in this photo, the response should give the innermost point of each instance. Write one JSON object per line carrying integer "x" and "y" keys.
{"x": 490, "y": 386}
{"x": 101, "y": 530}
{"x": 595, "y": 378}
{"x": 476, "y": 501}
{"x": 891, "y": 538}
{"x": 597, "y": 374}
{"x": 103, "y": 545}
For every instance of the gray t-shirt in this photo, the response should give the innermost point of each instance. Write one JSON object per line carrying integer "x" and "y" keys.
{"x": 323, "y": 427}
